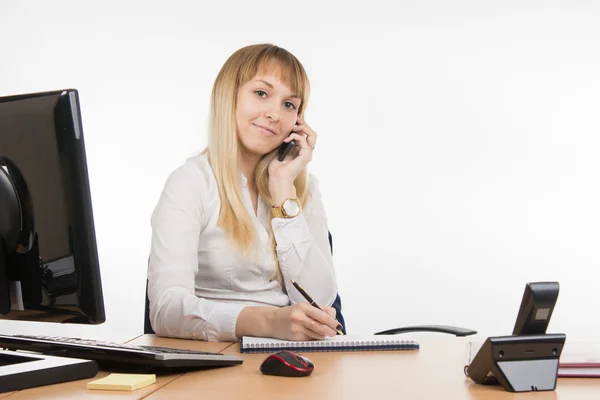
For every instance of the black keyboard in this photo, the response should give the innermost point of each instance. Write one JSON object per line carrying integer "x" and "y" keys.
{"x": 119, "y": 357}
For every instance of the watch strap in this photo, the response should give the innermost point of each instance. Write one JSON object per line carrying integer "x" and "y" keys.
{"x": 278, "y": 212}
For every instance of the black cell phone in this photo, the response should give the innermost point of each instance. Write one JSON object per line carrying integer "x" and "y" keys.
{"x": 285, "y": 149}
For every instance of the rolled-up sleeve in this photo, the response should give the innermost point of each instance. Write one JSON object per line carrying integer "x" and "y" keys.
{"x": 175, "y": 310}
{"x": 304, "y": 253}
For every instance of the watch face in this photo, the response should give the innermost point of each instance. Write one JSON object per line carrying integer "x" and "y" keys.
{"x": 291, "y": 207}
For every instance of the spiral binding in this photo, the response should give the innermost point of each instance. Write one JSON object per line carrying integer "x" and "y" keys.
{"x": 334, "y": 345}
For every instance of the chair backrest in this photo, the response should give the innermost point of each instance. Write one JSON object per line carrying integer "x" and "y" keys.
{"x": 337, "y": 304}
{"x": 147, "y": 324}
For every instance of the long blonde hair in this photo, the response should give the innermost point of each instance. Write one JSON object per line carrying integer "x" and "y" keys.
{"x": 223, "y": 147}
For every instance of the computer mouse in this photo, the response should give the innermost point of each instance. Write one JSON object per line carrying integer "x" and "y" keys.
{"x": 287, "y": 363}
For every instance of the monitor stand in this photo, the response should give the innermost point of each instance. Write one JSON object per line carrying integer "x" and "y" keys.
{"x": 23, "y": 370}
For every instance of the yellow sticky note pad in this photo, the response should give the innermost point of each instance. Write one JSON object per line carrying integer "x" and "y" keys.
{"x": 123, "y": 382}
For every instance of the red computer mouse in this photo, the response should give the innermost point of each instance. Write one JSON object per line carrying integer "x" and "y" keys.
{"x": 286, "y": 363}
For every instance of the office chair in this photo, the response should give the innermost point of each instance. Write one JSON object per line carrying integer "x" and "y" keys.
{"x": 337, "y": 304}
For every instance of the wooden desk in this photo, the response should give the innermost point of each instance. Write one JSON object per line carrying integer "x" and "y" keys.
{"x": 77, "y": 389}
{"x": 433, "y": 372}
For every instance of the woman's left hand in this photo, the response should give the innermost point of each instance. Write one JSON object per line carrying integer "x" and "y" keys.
{"x": 287, "y": 170}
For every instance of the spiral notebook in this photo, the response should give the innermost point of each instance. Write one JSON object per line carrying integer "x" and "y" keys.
{"x": 337, "y": 343}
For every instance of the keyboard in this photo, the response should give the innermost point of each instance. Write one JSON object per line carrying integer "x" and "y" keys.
{"x": 120, "y": 357}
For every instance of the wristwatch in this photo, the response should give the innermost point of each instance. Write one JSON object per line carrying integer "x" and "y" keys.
{"x": 289, "y": 209}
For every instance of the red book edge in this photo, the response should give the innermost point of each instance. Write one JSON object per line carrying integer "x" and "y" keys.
{"x": 579, "y": 365}
{"x": 562, "y": 374}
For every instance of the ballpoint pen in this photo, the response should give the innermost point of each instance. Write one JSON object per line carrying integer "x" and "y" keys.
{"x": 312, "y": 302}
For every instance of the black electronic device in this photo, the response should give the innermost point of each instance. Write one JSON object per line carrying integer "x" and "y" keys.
{"x": 519, "y": 363}
{"x": 536, "y": 308}
{"x": 121, "y": 357}
{"x": 285, "y": 149}
{"x": 48, "y": 263}
{"x": 528, "y": 359}
{"x": 287, "y": 363}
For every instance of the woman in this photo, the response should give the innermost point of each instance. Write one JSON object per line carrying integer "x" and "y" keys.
{"x": 234, "y": 225}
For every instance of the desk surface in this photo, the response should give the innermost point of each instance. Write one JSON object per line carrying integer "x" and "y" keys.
{"x": 434, "y": 371}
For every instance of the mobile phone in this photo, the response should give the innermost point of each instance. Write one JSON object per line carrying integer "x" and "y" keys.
{"x": 285, "y": 149}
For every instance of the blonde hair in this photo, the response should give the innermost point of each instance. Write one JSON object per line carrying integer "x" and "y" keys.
{"x": 223, "y": 147}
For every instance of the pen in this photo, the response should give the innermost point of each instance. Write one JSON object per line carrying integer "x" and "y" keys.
{"x": 311, "y": 301}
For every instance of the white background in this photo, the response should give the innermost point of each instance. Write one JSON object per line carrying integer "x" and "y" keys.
{"x": 457, "y": 154}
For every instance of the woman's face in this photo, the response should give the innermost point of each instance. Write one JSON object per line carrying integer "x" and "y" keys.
{"x": 266, "y": 111}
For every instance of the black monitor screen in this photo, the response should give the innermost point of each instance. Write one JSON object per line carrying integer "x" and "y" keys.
{"x": 48, "y": 258}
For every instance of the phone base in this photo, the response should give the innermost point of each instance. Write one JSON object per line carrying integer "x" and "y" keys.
{"x": 524, "y": 363}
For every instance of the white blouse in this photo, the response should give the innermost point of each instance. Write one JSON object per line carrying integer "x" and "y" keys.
{"x": 197, "y": 281}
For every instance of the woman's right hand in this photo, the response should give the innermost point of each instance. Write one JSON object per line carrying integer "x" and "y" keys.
{"x": 303, "y": 322}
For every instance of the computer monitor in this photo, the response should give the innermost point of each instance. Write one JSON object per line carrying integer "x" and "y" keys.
{"x": 49, "y": 268}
